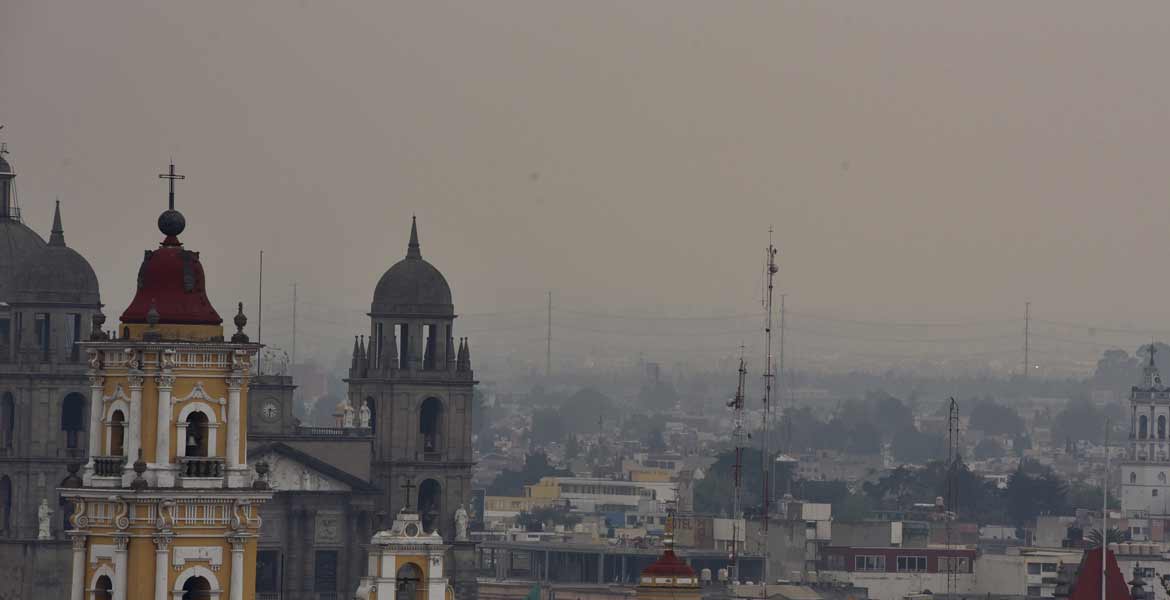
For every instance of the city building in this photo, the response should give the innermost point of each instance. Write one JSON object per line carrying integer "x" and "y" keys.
{"x": 1145, "y": 491}
{"x": 168, "y": 396}
{"x": 48, "y": 300}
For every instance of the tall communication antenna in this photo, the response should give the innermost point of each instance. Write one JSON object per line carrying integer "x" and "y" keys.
{"x": 770, "y": 270}
{"x": 952, "y": 500}
{"x": 1027, "y": 323}
{"x": 739, "y": 437}
{"x": 548, "y": 340}
{"x": 1105, "y": 506}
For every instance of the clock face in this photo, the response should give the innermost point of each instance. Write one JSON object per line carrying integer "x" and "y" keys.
{"x": 270, "y": 410}
{"x": 412, "y": 530}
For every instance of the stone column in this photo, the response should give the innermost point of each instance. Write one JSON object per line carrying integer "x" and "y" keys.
{"x": 235, "y": 382}
{"x": 162, "y": 445}
{"x": 134, "y": 419}
{"x": 236, "y": 587}
{"x": 77, "y": 586}
{"x": 162, "y": 544}
{"x": 121, "y": 546}
{"x": 96, "y": 395}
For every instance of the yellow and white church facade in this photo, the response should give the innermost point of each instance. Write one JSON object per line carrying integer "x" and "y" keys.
{"x": 167, "y": 507}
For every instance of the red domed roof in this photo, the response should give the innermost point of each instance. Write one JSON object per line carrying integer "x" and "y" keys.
{"x": 668, "y": 565}
{"x": 171, "y": 279}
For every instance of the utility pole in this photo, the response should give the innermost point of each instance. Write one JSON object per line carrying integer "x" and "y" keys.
{"x": 260, "y": 316}
{"x": 1027, "y": 323}
{"x": 548, "y": 340}
{"x": 1105, "y": 513}
{"x": 294, "y": 327}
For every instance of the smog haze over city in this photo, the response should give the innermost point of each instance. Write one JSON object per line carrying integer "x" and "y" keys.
{"x": 920, "y": 163}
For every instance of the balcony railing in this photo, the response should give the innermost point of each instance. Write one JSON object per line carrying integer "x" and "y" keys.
{"x": 109, "y": 466}
{"x": 200, "y": 466}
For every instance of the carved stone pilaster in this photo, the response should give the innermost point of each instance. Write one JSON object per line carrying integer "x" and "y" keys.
{"x": 97, "y": 381}
{"x": 135, "y": 380}
{"x": 121, "y": 542}
{"x": 235, "y": 382}
{"x": 237, "y": 542}
{"x": 165, "y": 381}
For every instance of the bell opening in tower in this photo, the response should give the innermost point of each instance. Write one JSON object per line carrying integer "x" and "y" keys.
{"x": 402, "y": 330}
{"x": 430, "y": 332}
{"x": 376, "y": 346}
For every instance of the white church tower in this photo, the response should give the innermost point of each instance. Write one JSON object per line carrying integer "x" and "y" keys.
{"x": 1144, "y": 488}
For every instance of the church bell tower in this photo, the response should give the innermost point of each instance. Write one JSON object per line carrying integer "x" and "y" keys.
{"x": 167, "y": 507}
{"x": 415, "y": 381}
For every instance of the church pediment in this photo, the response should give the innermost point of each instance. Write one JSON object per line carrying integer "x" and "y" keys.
{"x": 292, "y": 470}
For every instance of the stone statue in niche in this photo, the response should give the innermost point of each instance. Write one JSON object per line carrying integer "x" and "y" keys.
{"x": 44, "y": 519}
{"x": 364, "y": 416}
{"x": 461, "y": 520}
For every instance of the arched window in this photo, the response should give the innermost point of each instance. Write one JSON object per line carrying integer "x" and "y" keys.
{"x": 1162, "y": 477}
{"x": 1161, "y": 427}
{"x": 196, "y": 434}
{"x": 430, "y": 504}
{"x": 7, "y": 420}
{"x": 5, "y": 506}
{"x": 104, "y": 590}
{"x": 373, "y": 406}
{"x": 117, "y": 434}
{"x": 1133, "y": 476}
{"x": 409, "y": 583}
{"x": 197, "y": 588}
{"x": 1143, "y": 427}
{"x": 430, "y": 424}
{"x": 73, "y": 419}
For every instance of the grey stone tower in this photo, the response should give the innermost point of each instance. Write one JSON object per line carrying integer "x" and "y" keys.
{"x": 417, "y": 384}
{"x": 49, "y": 301}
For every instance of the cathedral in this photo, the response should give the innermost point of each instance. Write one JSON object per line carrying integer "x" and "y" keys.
{"x": 401, "y": 456}
{"x": 48, "y": 300}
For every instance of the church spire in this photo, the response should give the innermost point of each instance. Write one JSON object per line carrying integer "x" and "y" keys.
{"x": 412, "y": 249}
{"x": 57, "y": 235}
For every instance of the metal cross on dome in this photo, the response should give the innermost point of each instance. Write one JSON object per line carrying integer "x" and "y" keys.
{"x": 172, "y": 176}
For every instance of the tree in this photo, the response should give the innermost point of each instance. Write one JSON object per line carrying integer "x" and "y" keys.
{"x": 713, "y": 493}
{"x": 915, "y": 447}
{"x": 993, "y": 418}
{"x": 1116, "y": 369}
{"x": 1114, "y": 536}
{"x": 547, "y": 426}
{"x": 536, "y": 465}
{"x": 1032, "y": 490}
{"x": 988, "y": 448}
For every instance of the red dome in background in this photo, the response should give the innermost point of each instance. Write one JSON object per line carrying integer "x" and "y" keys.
{"x": 171, "y": 279}
{"x": 668, "y": 565}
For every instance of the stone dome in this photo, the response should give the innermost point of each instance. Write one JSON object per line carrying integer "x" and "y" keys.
{"x": 18, "y": 245}
{"x": 56, "y": 273}
{"x": 412, "y": 286}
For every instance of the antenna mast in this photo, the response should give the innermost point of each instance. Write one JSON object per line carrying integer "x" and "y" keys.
{"x": 739, "y": 436}
{"x": 952, "y": 500}
{"x": 770, "y": 270}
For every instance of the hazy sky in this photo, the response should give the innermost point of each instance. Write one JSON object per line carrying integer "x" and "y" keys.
{"x": 918, "y": 160}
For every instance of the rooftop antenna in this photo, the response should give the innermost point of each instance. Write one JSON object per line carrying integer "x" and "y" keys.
{"x": 739, "y": 437}
{"x": 770, "y": 270}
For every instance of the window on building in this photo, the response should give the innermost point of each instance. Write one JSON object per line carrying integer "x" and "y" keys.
{"x": 197, "y": 433}
{"x": 1154, "y": 492}
{"x": 911, "y": 564}
{"x": 73, "y": 419}
{"x": 430, "y": 337}
{"x": 1033, "y": 568}
{"x": 429, "y": 424}
{"x": 5, "y": 337}
{"x": 954, "y": 564}
{"x": 1048, "y": 567}
{"x": 7, "y": 420}
{"x": 267, "y": 572}
{"x": 104, "y": 589}
{"x": 197, "y": 588}
{"x": 1133, "y": 476}
{"x": 1033, "y": 591}
{"x": 325, "y": 571}
{"x": 73, "y": 335}
{"x": 117, "y": 434}
{"x": 1143, "y": 427}
{"x": 5, "y": 506}
{"x": 869, "y": 562}
{"x": 42, "y": 329}
{"x": 403, "y": 331}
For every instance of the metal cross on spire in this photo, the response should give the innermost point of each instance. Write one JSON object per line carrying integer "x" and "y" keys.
{"x": 172, "y": 176}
